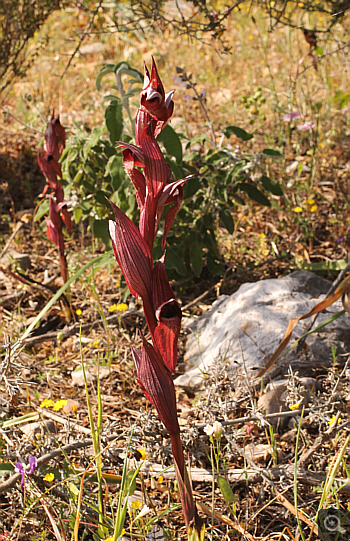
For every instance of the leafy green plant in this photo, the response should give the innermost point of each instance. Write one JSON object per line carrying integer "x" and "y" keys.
{"x": 222, "y": 178}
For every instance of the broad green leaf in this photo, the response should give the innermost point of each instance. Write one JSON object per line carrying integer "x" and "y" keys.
{"x": 254, "y": 194}
{"x": 214, "y": 267}
{"x": 100, "y": 230}
{"x": 78, "y": 212}
{"x": 236, "y": 169}
{"x": 124, "y": 67}
{"x": 239, "y": 132}
{"x": 172, "y": 143}
{"x": 271, "y": 185}
{"x": 272, "y": 152}
{"x": 43, "y": 210}
{"x": 227, "y": 220}
{"x": 114, "y": 120}
{"x": 191, "y": 187}
{"x": 108, "y": 68}
{"x": 130, "y": 483}
{"x": 196, "y": 257}
{"x": 174, "y": 261}
{"x": 226, "y": 490}
{"x": 319, "y": 50}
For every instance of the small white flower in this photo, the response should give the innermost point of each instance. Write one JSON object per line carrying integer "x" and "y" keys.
{"x": 208, "y": 429}
{"x": 144, "y": 511}
{"x": 215, "y": 430}
{"x": 290, "y": 183}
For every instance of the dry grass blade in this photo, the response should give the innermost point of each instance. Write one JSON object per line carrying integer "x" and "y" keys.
{"x": 221, "y": 518}
{"x": 342, "y": 289}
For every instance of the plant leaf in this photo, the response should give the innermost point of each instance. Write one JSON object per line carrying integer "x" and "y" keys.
{"x": 114, "y": 120}
{"x": 254, "y": 194}
{"x": 272, "y": 152}
{"x": 227, "y": 220}
{"x": 196, "y": 257}
{"x": 226, "y": 490}
{"x": 271, "y": 185}
{"x": 108, "y": 68}
{"x": 239, "y": 132}
{"x": 172, "y": 142}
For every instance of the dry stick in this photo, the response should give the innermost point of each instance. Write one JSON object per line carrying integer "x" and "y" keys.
{"x": 75, "y": 328}
{"x": 286, "y": 503}
{"x": 329, "y": 292}
{"x": 12, "y": 236}
{"x": 9, "y": 483}
{"x": 83, "y": 36}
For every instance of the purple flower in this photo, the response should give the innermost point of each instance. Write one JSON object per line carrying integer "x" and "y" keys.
{"x": 20, "y": 469}
{"x": 290, "y": 116}
{"x": 340, "y": 240}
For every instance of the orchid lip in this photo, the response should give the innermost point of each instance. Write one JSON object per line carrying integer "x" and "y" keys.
{"x": 151, "y": 94}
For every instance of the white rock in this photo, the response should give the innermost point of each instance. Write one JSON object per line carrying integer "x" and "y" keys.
{"x": 253, "y": 321}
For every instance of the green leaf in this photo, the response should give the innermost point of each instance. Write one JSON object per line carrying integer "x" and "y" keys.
{"x": 254, "y": 194}
{"x": 239, "y": 132}
{"x": 319, "y": 50}
{"x": 130, "y": 483}
{"x": 172, "y": 142}
{"x": 272, "y": 152}
{"x": 196, "y": 257}
{"x": 226, "y": 490}
{"x": 78, "y": 212}
{"x": 6, "y": 467}
{"x": 108, "y": 68}
{"x": 227, "y": 220}
{"x": 101, "y": 231}
{"x": 214, "y": 267}
{"x": 43, "y": 210}
{"x": 174, "y": 261}
{"x": 114, "y": 120}
{"x": 271, "y": 185}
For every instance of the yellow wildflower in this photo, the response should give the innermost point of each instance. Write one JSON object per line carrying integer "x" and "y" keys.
{"x": 332, "y": 419}
{"x": 160, "y": 479}
{"x": 142, "y": 453}
{"x": 47, "y": 403}
{"x": 294, "y": 407}
{"x": 313, "y": 208}
{"x": 311, "y": 201}
{"x": 78, "y": 312}
{"x": 49, "y": 477}
{"x": 136, "y": 504}
{"x": 298, "y": 209}
{"x": 59, "y": 405}
{"x": 74, "y": 408}
{"x": 112, "y": 308}
{"x": 121, "y": 307}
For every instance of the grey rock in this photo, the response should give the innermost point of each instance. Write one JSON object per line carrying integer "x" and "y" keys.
{"x": 252, "y": 322}
{"x": 39, "y": 429}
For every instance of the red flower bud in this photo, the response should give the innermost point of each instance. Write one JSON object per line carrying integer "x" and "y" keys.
{"x": 132, "y": 253}
{"x": 156, "y": 382}
{"x": 168, "y": 315}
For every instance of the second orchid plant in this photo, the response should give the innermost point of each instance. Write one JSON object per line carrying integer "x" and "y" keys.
{"x": 133, "y": 247}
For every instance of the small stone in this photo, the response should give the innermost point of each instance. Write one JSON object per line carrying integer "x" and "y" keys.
{"x": 78, "y": 377}
{"x": 39, "y": 429}
{"x": 71, "y": 407}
